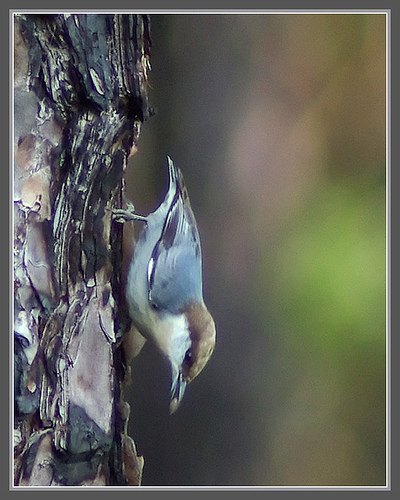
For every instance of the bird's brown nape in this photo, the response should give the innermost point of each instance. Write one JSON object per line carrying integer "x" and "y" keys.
{"x": 202, "y": 334}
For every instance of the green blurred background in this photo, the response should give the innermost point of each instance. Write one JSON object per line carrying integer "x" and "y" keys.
{"x": 278, "y": 122}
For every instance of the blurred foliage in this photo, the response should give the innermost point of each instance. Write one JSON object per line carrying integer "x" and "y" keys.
{"x": 328, "y": 304}
{"x": 332, "y": 267}
{"x": 279, "y": 124}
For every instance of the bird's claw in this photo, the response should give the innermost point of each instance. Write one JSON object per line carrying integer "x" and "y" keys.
{"x": 122, "y": 215}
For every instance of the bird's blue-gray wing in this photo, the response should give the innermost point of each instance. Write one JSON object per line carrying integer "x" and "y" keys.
{"x": 178, "y": 254}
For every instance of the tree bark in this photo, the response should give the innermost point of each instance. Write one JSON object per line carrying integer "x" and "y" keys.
{"x": 79, "y": 101}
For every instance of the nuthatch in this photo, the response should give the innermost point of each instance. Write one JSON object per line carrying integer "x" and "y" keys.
{"x": 164, "y": 289}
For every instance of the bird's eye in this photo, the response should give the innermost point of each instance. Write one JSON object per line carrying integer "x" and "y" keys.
{"x": 188, "y": 358}
{"x": 154, "y": 306}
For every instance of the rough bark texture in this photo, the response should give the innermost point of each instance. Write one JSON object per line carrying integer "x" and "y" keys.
{"x": 79, "y": 101}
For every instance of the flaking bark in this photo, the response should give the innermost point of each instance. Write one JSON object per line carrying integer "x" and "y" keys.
{"x": 79, "y": 102}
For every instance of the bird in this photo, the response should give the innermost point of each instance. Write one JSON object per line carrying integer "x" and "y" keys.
{"x": 164, "y": 285}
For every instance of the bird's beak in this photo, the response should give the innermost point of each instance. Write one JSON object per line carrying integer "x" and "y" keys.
{"x": 178, "y": 387}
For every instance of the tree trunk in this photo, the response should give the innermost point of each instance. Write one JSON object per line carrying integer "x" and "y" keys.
{"x": 79, "y": 102}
